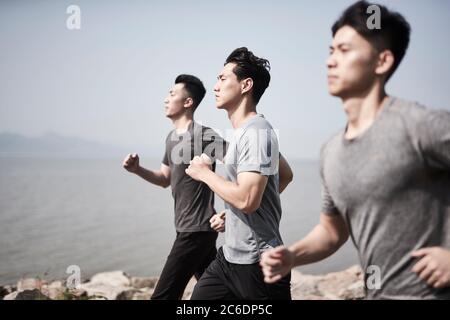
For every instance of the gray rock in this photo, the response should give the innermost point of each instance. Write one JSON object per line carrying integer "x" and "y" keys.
{"x": 113, "y": 278}
{"x": 141, "y": 282}
{"x": 355, "y": 291}
{"x": 347, "y": 284}
{"x": 29, "y": 284}
{"x": 34, "y": 294}
{"x": 11, "y": 296}
{"x": 54, "y": 290}
{"x": 5, "y": 290}
{"x": 103, "y": 291}
{"x": 143, "y": 294}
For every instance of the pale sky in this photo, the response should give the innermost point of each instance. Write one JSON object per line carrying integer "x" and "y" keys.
{"x": 107, "y": 81}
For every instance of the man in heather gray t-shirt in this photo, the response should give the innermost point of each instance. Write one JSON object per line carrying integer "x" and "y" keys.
{"x": 254, "y": 148}
{"x": 392, "y": 187}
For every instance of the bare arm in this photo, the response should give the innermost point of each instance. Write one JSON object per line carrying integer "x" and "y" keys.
{"x": 160, "y": 178}
{"x": 245, "y": 194}
{"x": 325, "y": 239}
{"x": 285, "y": 173}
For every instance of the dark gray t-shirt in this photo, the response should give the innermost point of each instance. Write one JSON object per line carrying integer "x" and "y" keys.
{"x": 254, "y": 148}
{"x": 392, "y": 187}
{"x": 193, "y": 200}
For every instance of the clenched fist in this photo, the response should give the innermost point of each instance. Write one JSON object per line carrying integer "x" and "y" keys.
{"x": 218, "y": 222}
{"x": 131, "y": 162}
{"x": 198, "y": 166}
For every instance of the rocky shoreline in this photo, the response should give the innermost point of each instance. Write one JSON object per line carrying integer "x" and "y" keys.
{"x": 117, "y": 285}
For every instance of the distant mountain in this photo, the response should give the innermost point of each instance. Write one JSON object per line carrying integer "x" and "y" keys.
{"x": 55, "y": 145}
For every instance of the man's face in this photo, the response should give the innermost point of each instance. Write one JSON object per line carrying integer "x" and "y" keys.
{"x": 175, "y": 101}
{"x": 351, "y": 64}
{"x": 228, "y": 88}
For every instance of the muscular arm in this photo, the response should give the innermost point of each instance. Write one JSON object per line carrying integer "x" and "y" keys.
{"x": 325, "y": 239}
{"x": 245, "y": 194}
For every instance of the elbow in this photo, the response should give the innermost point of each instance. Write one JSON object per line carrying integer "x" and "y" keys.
{"x": 286, "y": 178}
{"x": 343, "y": 239}
{"x": 338, "y": 240}
{"x": 249, "y": 207}
{"x": 165, "y": 184}
{"x": 289, "y": 177}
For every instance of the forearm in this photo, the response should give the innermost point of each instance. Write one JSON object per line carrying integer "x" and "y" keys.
{"x": 227, "y": 190}
{"x": 316, "y": 246}
{"x": 154, "y": 177}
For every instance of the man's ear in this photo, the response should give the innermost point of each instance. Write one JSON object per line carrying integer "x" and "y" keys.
{"x": 246, "y": 85}
{"x": 385, "y": 62}
{"x": 188, "y": 103}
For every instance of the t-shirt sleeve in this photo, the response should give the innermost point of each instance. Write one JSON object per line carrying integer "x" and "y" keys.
{"x": 434, "y": 138}
{"x": 214, "y": 146}
{"x": 258, "y": 152}
{"x": 165, "y": 159}
{"x": 328, "y": 206}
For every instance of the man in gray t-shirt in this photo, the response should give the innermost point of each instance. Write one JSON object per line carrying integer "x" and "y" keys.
{"x": 395, "y": 195}
{"x": 251, "y": 188}
{"x": 254, "y": 148}
{"x": 386, "y": 177}
{"x": 193, "y": 201}
{"x": 195, "y": 243}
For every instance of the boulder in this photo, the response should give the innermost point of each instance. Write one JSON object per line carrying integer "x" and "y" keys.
{"x": 347, "y": 284}
{"x": 34, "y": 294}
{"x": 141, "y": 282}
{"x": 113, "y": 278}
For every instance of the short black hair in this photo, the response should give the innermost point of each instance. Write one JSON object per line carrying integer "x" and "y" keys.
{"x": 194, "y": 87}
{"x": 250, "y": 66}
{"x": 393, "y": 35}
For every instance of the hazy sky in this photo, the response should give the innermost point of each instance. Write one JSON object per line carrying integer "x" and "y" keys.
{"x": 107, "y": 81}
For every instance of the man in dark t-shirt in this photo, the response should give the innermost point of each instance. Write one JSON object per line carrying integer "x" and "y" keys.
{"x": 195, "y": 244}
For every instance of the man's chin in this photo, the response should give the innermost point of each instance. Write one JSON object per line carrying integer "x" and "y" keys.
{"x": 334, "y": 92}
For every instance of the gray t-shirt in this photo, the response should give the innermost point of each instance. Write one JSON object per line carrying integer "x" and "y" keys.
{"x": 392, "y": 187}
{"x": 193, "y": 200}
{"x": 254, "y": 148}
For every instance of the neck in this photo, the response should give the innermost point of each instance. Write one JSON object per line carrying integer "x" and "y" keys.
{"x": 182, "y": 122}
{"x": 243, "y": 111}
{"x": 362, "y": 110}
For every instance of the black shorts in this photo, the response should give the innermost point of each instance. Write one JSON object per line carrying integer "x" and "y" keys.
{"x": 229, "y": 281}
{"x": 191, "y": 254}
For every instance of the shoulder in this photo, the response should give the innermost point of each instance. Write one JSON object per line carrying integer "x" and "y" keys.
{"x": 414, "y": 113}
{"x": 406, "y": 109}
{"x": 415, "y": 116}
{"x": 169, "y": 135}
{"x": 331, "y": 143}
{"x": 258, "y": 130}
